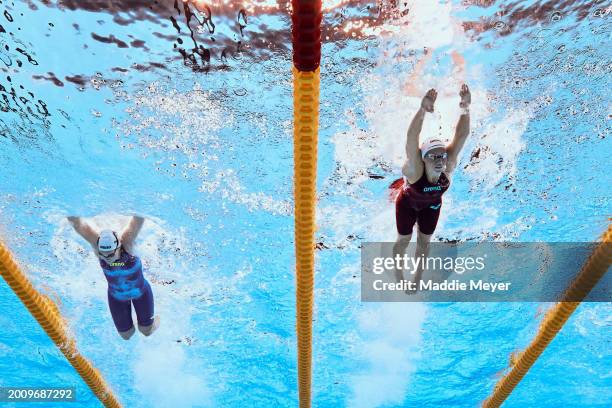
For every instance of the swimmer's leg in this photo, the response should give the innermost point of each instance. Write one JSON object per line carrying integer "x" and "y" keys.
{"x": 423, "y": 241}
{"x": 145, "y": 311}
{"x": 148, "y": 330}
{"x": 422, "y": 250}
{"x": 399, "y": 248}
{"x": 405, "y": 218}
{"x": 401, "y": 243}
{"x": 427, "y": 221}
{"x": 121, "y": 311}
{"x": 126, "y": 335}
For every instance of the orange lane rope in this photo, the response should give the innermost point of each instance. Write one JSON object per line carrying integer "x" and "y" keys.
{"x": 593, "y": 270}
{"x": 46, "y": 312}
{"x": 306, "y": 111}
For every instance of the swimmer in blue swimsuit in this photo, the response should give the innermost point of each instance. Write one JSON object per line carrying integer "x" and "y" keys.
{"x": 123, "y": 271}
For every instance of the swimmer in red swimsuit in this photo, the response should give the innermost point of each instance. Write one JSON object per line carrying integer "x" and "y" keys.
{"x": 426, "y": 176}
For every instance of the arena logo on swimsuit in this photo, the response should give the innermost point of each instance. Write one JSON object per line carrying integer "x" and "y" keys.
{"x": 117, "y": 264}
{"x": 434, "y": 188}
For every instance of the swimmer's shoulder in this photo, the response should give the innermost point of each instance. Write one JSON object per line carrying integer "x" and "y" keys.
{"x": 411, "y": 174}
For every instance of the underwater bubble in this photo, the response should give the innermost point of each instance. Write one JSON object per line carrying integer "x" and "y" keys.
{"x": 556, "y": 16}
{"x": 242, "y": 18}
{"x": 600, "y": 12}
{"x": 116, "y": 83}
{"x": 240, "y": 92}
{"x": 64, "y": 114}
{"x": 500, "y": 25}
{"x": 544, "y": 33}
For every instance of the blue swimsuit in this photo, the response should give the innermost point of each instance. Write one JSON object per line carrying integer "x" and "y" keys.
{"x": 127, "y": 285}
{"x": 124, "y": 276}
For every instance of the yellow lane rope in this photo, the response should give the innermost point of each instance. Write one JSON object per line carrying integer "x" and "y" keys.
{"x": 306, "y": 124}
{"x": 46, "y": 312}
{"x": 592, "y": 271}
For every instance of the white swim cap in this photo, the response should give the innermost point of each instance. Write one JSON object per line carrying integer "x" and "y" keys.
{"x": 430, "y": 144}
{"x": 107, "y": 241}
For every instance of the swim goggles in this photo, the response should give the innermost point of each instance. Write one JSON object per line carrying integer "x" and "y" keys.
{"x": 433, "y": 157}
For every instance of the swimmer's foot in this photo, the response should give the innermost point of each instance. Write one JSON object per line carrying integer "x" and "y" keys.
{"x": 127, "y": 334}
{"x": 148, "y": 330}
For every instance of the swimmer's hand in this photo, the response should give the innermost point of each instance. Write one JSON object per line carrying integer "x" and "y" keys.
{"x": 427, "y": 104}
{"x": 466, "y": 96}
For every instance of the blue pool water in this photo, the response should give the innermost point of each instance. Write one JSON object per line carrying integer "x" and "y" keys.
{"x": 116, "y": 120}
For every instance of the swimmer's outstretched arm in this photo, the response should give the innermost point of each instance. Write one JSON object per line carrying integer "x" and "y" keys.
{"x": 84, "y": 229}
{"x": 462, "y": 130}
{"x": 129, "y": 234}
{"x": 413, "y": 167}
